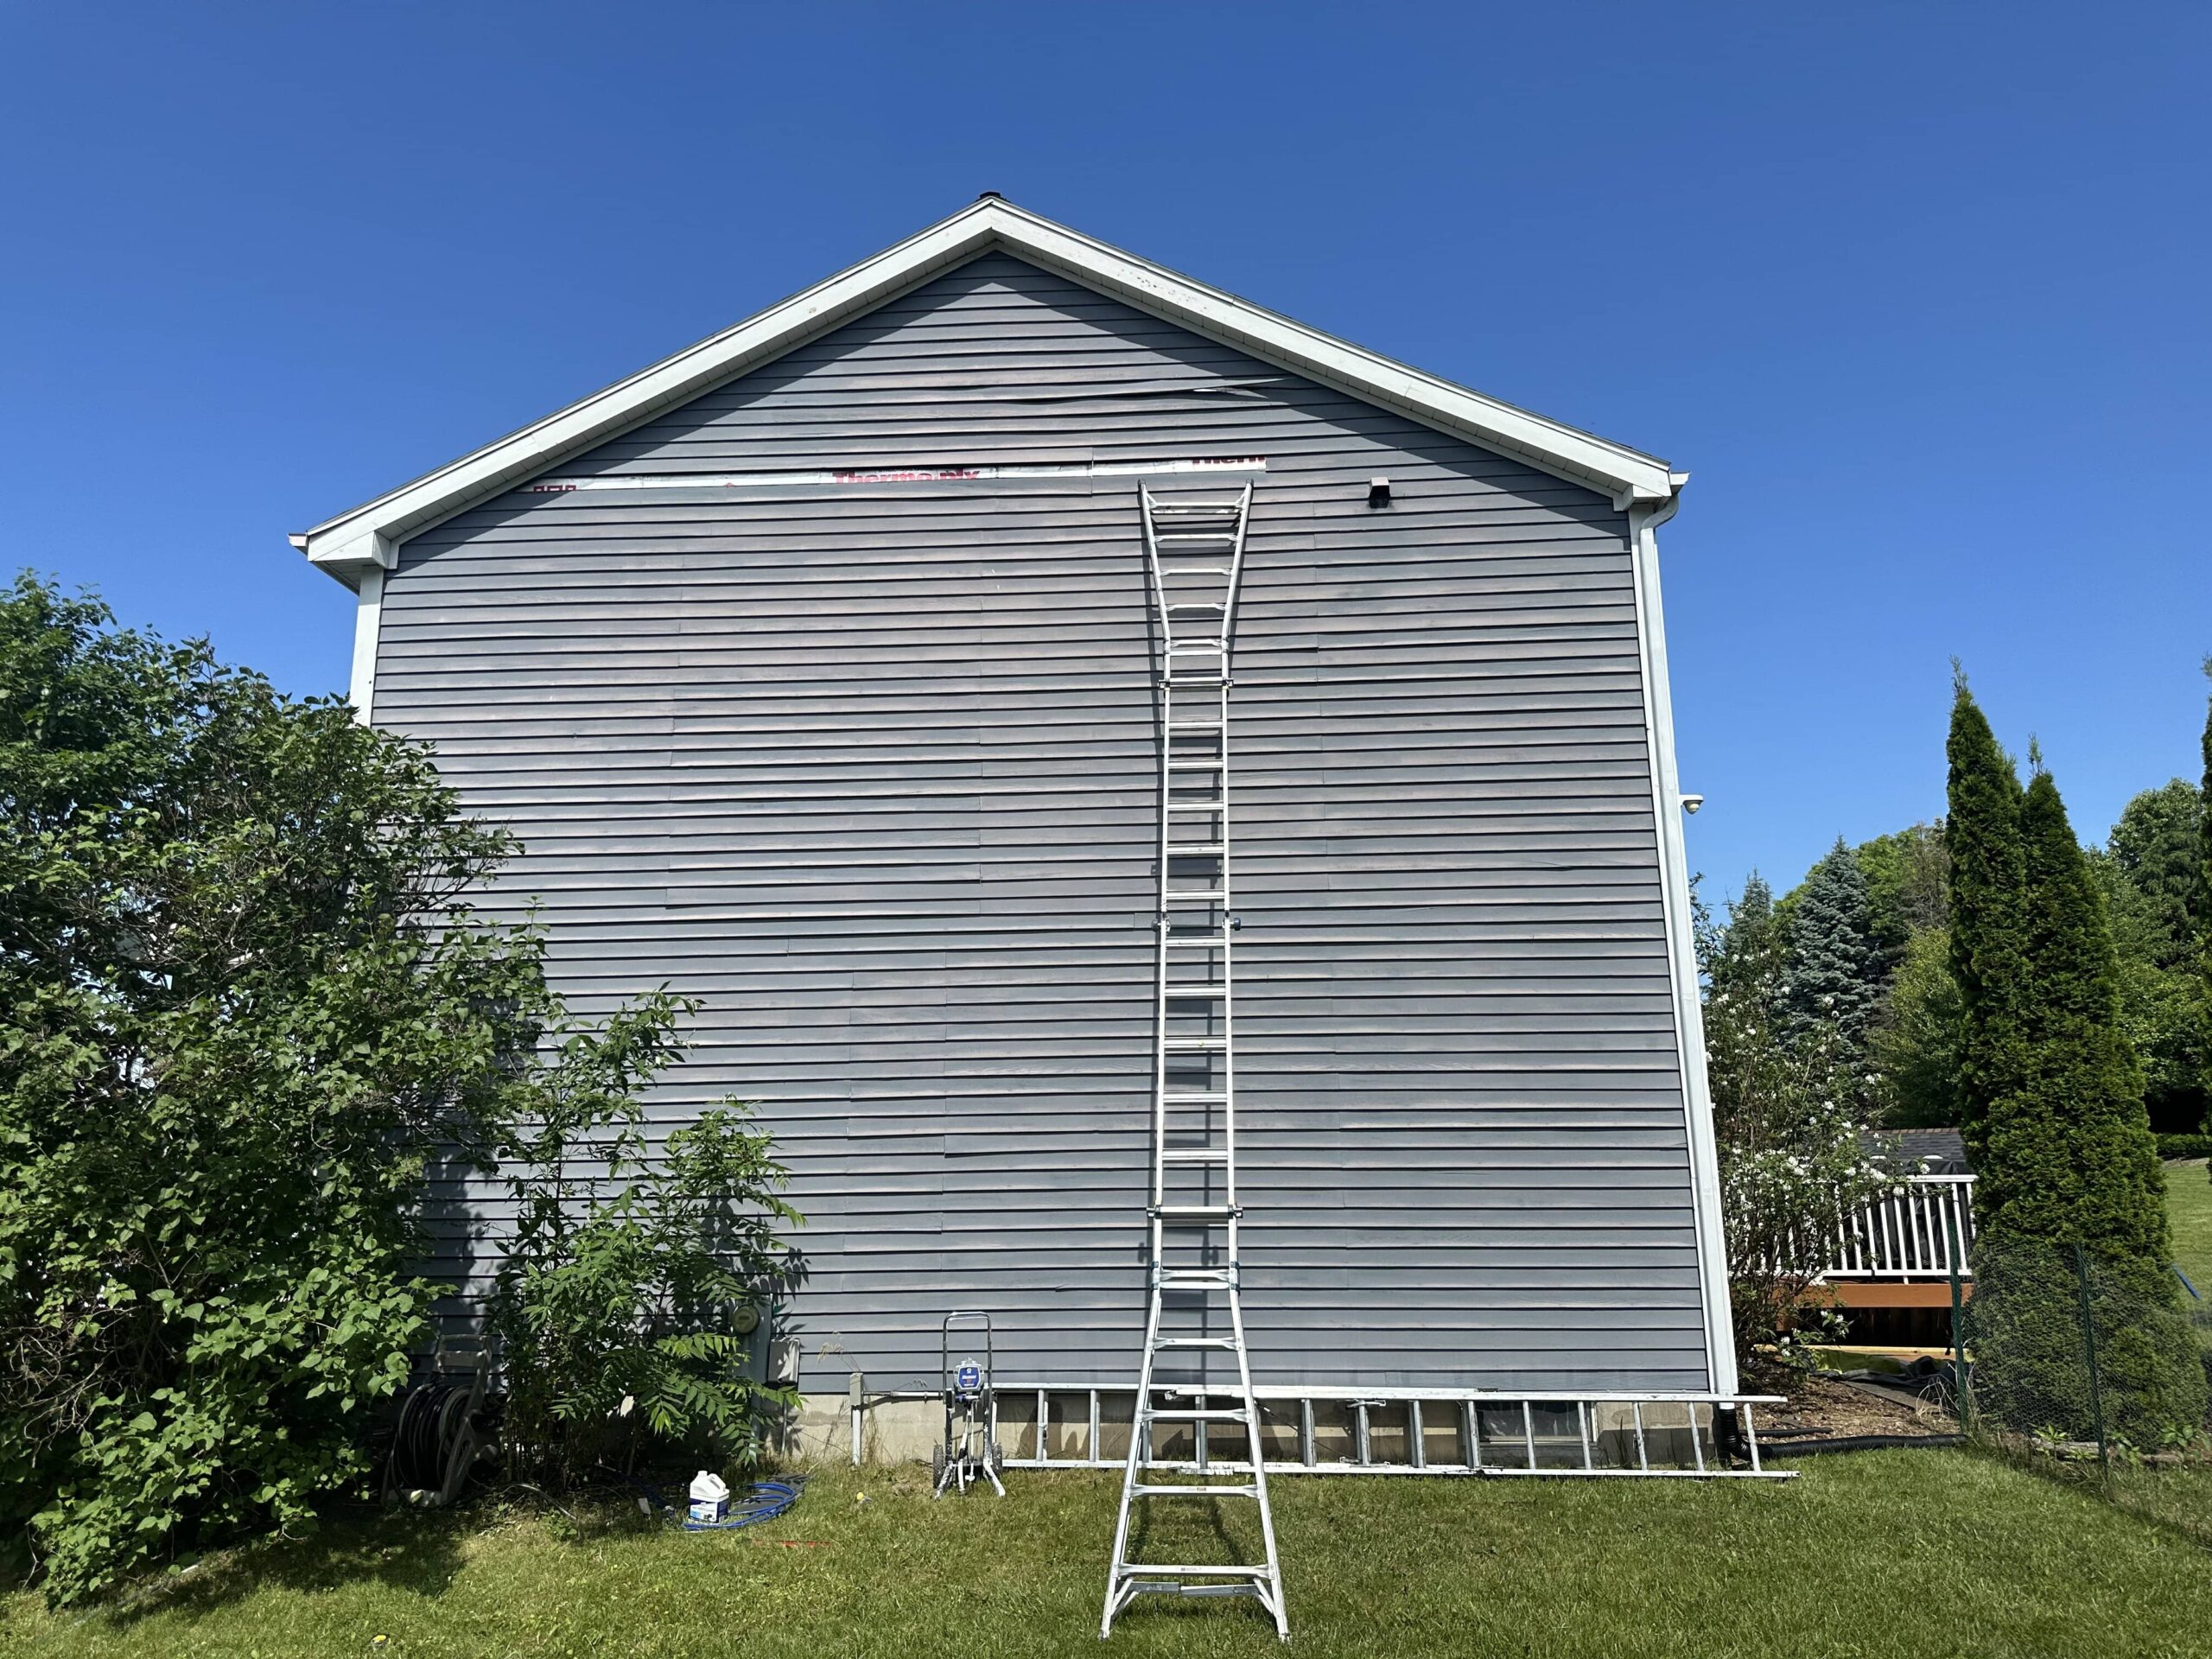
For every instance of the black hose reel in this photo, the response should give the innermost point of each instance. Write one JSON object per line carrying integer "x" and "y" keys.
{"x": 440, "y": 1430}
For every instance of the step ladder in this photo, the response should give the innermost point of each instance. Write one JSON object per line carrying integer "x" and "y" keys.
{"x": 1194, "y": 558}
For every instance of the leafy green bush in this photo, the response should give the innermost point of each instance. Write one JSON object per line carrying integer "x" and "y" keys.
{"x": 2172, "y": 1147}
{"x": 244, "y": 1007}
{"x": 627, "y": 1299}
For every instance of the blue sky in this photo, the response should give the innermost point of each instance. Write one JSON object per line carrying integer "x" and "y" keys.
{"x": 1917, "y": 294}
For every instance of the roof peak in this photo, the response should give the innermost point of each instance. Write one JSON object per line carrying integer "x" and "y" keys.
{"x": 369, "y": 535}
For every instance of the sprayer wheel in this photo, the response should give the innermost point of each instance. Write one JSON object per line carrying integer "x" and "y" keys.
{"x": 936, "y": 1466}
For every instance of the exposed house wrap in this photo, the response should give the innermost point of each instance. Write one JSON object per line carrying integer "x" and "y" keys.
{"x": 868, "y": 767}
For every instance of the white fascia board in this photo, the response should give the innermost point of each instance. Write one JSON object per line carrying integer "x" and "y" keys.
{"x": 370, "y": 535}
{"x": 1681, "y": 950}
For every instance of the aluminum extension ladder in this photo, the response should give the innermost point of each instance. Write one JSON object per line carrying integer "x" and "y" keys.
{"x": 1194, "y": 554}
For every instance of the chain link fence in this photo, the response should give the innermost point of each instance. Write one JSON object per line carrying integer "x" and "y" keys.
{"x": 2092, "y": 1370}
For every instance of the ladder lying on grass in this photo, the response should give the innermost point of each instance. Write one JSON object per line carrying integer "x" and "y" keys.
{"x": 1194, "y": 558}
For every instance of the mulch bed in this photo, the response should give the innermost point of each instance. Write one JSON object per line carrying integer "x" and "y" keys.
{"x": 1822, "y": 1408}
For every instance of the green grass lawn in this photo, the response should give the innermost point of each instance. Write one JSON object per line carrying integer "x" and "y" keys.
{"x": 1874, "y": 1553}
{"x": 2189, "y": 1204}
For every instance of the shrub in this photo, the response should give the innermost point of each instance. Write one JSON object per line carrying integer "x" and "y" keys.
{"x": 2172, "y": 1146}
{"x": 246, "y": 1008}
{"x": 2030, "y": 1352}
{"x": 626, "y": 1300}
{"x": 1791, "y": 1119}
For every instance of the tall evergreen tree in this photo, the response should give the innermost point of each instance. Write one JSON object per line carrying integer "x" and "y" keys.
{"x": 1835, "y": 966}
{"x": 1746, "y": 944}
{"x": 2067, "y": 1153}
{"x": 1982, "y": 833}
{"x": 2202, "y": 898}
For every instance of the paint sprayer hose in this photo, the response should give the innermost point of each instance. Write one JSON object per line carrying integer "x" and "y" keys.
{"x": 764, "y": 1501}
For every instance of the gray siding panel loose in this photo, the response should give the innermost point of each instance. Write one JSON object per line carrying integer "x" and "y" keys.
{"x": 871, "y": 774}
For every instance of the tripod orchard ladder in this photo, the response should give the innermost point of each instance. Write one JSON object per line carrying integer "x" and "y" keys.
{"x": 1194, "y": 557}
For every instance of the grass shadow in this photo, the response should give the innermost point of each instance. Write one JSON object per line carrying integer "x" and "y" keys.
{"x": 2176, "y": 1501}
{"x": 1192, "y": 1531}
{"x": 415, "y": 1551}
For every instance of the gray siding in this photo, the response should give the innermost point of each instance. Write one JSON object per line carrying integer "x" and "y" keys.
{"x": 871, "y": 773}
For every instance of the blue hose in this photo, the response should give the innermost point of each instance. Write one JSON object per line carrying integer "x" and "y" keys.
{"x": 766, "y": 1501}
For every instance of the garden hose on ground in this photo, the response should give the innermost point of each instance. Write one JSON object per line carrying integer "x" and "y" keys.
{"x": 764, "y": 1501}
{"x": 1773, "y": 1449}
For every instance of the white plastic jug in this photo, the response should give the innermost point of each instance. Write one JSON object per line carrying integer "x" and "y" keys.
{"x": 710, "y": 1499}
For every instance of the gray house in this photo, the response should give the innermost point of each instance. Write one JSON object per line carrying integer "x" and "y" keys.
{"x": 813, "y": 666}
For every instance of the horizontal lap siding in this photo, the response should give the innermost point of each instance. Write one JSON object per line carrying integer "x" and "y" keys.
{"x": 871, "y": 774}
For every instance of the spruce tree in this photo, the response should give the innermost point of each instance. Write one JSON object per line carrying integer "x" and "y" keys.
{"x": 2068, "y": 1157}
{"x": 1742, "y": 962}
{"x": 1982, "y": 832}
{"x": 1834, "y": 962}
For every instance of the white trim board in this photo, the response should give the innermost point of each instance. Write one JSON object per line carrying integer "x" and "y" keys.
{"x": 861, "y": 477}
{"x": 1681, "y": 950}
{"x": 368, "y": 620}
{"x": 369, "y": 534}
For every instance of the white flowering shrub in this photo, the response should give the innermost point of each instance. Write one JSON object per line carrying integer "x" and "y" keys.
{"x": 1791, "y": 1116}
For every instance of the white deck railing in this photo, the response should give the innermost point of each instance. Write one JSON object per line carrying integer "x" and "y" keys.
{"x": 1908, "y": 1234}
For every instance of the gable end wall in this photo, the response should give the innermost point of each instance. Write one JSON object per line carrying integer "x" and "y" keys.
{"x": 871, "y": 773}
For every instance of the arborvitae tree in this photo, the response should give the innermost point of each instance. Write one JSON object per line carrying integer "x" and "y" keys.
{"x": 1835, "y": 967}
{"x": 2201, "y": 900}
{"x": 1982, "y": 833}
{"x": 2066, "y": 1155}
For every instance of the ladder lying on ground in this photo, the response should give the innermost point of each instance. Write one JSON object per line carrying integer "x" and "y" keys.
{"x": 1194, "y": 556}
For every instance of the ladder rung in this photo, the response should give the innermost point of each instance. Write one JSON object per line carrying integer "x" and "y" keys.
{"x": 1194, "y": 849}
{"x": 1134, "y": 1569}
{"x": 1196, "y": 1212}
{"x": 1196, "y": 570}
{"x": 1196, "y": 806}
{"x": 1226, "y": 1343}
{"x": 1212, "y": 941}
{"x": 1199, "y": 605}
{"x": 1196, "y": 765}
{"x": 1180, "y": 1416}
{"x": 1199, "y": 1097}
{"x": 1194, "y": 725}
{"x": 1195, "y": 1491}
{"x": 1195, "y": 1044}
{"x": 1193, "y": 1154}
{"x": 1187, "y": 992}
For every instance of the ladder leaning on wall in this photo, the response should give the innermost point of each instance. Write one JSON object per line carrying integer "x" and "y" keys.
{"x": 1194, "y": 557}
